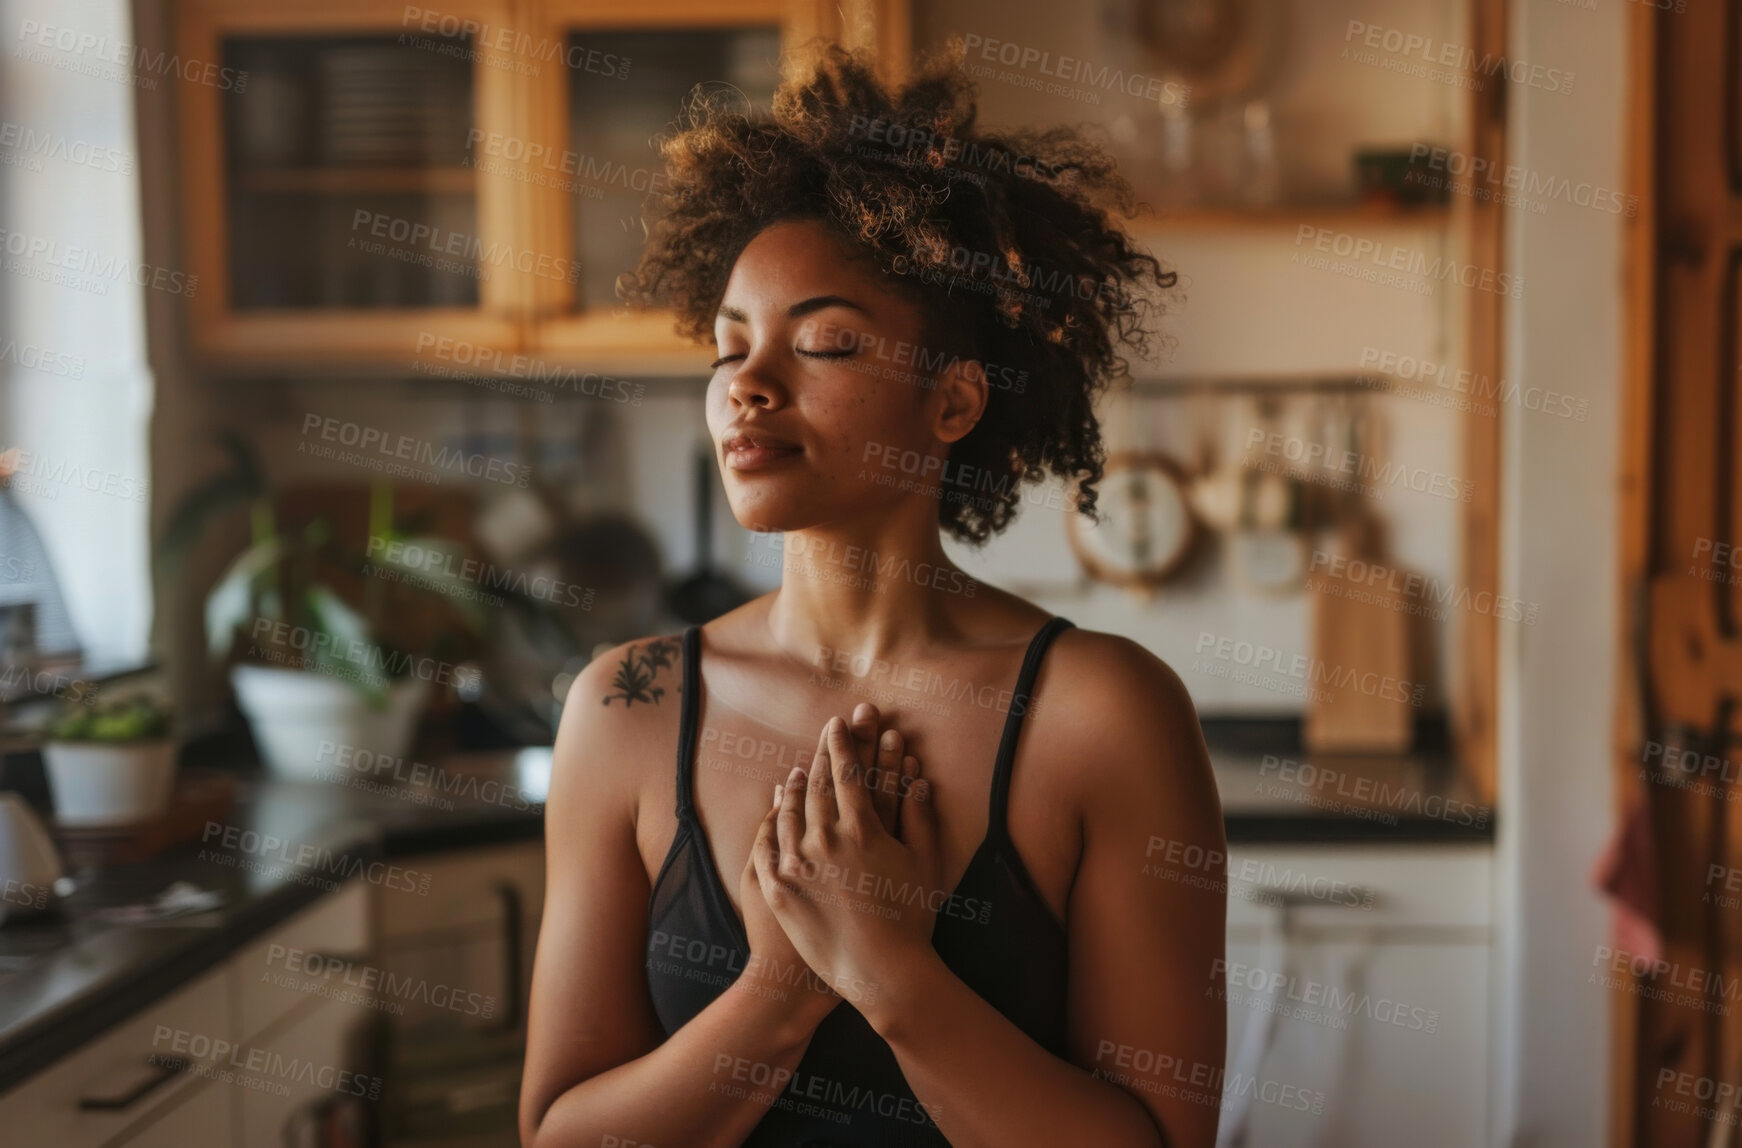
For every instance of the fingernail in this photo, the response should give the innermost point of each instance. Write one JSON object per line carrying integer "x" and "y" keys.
{"x": 891, "y": 739}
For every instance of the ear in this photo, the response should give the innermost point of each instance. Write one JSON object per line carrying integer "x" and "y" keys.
{"x": 960, "y": 399}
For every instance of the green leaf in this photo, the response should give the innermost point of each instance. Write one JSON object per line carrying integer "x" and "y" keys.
{"x": 350, "y": 653}
{"x": 232, "y": 600}
{"x": 439, "y": 577}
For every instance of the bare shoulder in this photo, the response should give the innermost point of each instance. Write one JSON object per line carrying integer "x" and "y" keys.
{"x": 1110, "y": 677}
{"x": 1127, "y": 720}
{"x": 620, "y": 719}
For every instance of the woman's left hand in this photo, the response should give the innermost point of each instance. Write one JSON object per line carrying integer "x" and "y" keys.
{"x": 853, "y": 898}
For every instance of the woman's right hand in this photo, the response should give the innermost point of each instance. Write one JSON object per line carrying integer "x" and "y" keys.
{"x": 775, "y": 969}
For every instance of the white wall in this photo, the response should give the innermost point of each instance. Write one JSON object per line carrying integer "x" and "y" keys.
{"x": 89, "y": 432}
{"x": 1559, "y": 545}
{"x": 1248, "y": 307}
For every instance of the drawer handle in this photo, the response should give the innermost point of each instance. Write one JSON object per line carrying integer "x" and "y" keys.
{"x": 165, "y": 1069}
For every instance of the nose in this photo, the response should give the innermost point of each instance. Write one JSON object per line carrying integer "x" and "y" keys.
{"x": 753, "y": 385}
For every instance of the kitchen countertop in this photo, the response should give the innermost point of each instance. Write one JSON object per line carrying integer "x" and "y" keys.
{"x": 66, "y": 978}
{"x": 1274, "y": 792}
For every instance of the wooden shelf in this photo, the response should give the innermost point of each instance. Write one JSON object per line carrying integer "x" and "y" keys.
{"x": 1349, "y": 216}
{"x": 355, "y": 180}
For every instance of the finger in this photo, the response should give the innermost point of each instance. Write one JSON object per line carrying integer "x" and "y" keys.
{"x": 852, "y": 772}
{"x": 909, "y": 774}
{"x": 765, "y": 850}
{"x": 820, "y": 810}
{"x": 885, "y": 780}
{"x": 863, "y": 724}
{"x": 789, "y": 824}
{"x": 919, "y": 818}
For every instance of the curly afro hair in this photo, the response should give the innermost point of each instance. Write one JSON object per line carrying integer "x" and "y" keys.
{"x": 1008, "y": 241}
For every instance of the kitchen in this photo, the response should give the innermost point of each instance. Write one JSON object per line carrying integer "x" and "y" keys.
{"x": 368, "y": 467}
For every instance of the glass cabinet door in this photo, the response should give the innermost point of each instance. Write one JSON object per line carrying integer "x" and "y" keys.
{"x": 388, "y": 177}
{"x": 345, "y": 174}
{"x": 329, "y": 204}
{"x": 614, "y": 124}
{"x": 625, "y": 87}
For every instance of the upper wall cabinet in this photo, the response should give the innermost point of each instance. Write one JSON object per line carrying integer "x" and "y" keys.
{"x": 383, "y": 179}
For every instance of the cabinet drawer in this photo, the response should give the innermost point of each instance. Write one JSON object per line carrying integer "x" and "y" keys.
{"x": 1438, "y": 886}
{"x": 116, "y": 1068}
{"x": 308, "y": 1071}
{"x": 205, "y": 1119}
{"x": 466, "y": 890}
{"x": 336, "y": 925}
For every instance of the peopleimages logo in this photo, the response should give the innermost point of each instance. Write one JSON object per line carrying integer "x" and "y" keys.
{"x": 476, "y": 571}
{"x": 1428, "y": 50}
{"x": 92, "y": 50}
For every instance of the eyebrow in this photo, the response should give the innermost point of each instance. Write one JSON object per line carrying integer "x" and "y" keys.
{"x": 799, "y": 310}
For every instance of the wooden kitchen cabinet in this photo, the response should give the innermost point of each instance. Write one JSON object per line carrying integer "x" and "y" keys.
{"x": 403, "y": 186}
{"x": 304, "y": 181}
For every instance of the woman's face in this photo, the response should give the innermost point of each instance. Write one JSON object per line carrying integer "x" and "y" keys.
{"x": 822, "y": 404}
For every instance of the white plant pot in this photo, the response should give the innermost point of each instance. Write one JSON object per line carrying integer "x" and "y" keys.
{"x": 300, "y": 718}
{"x": 109, "y": 783}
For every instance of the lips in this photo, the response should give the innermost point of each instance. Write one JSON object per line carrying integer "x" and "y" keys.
{"x": 758, "y": 450}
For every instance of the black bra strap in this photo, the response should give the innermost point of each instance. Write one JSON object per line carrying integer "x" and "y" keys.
{"x": 688, "y": 716}
{"x": 1019, "y": 702}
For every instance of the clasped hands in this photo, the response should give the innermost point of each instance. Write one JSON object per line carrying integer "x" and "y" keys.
{"x": 842, "y": 879}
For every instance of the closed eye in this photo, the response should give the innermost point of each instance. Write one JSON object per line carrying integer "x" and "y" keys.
{"x": 823, "y": 354}
{"x": 722, "y": 361}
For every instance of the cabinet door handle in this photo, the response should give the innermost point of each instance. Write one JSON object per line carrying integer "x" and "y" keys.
{"x": 166, "y": 1069}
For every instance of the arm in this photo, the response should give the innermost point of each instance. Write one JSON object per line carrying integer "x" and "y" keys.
{"x": 597, "y": 1063}
{"x": 1144, "y": 952}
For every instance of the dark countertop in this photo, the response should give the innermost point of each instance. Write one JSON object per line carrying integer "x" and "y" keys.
{"x": 1274, "y": 792}
{"x": 66, "y": 978}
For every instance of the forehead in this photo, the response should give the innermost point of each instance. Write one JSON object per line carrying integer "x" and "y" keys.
{"x": 794, "y": 260}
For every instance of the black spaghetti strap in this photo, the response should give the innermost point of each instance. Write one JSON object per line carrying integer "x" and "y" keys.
{"x": 689, "y": 714}
{"x": 1019, "y": 702}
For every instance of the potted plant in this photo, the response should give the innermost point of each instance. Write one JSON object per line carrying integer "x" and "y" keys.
{"x": 309, "y": 666}
{"x": 111, "y": 763}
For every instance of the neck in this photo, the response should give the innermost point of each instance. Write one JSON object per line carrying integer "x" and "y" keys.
{"x": 874, "y": 588}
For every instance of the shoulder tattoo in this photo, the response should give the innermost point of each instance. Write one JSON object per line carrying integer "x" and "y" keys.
{"x": 640, "y": 669}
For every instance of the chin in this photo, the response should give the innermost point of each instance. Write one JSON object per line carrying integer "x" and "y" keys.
{"x": 758, "y": 511}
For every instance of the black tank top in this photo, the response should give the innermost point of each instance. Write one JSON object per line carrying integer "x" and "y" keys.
{"x": 995, "y": 932}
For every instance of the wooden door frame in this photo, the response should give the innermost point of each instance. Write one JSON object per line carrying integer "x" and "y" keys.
{"x": 1474, "y": 693}
{"x": 1637, "y": 429}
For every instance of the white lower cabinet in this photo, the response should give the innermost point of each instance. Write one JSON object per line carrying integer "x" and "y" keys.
{"x": 125, "y": 1072}
{"x": 1358, "y": 1016}
{"x": 216, "y": 1062}
{"x": 306, "y": 1079}
{"x": 206, "y": 1118}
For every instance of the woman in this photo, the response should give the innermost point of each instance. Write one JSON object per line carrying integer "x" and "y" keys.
{"x": 930, "y": 920}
